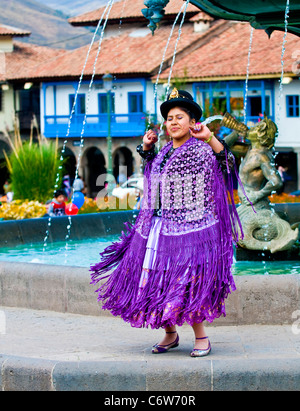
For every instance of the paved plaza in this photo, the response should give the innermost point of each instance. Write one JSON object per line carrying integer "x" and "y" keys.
{"x": 46, "y": 350}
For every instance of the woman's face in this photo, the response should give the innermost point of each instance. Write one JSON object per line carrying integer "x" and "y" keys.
{"x": 178, "y": 123}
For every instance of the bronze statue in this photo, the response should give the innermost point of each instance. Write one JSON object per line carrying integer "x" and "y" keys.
{"x": 263, "y": 229}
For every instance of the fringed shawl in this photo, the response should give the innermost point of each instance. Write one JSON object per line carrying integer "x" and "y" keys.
{"x": 195, "y": 243}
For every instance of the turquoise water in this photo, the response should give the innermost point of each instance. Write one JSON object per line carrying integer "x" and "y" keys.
{"x": 74, "y": 253}
{"x": 86, "y": 252}
{"x": 267, "y": 268}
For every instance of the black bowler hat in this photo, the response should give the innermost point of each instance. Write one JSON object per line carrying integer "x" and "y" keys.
{"x": 180, "y": 98}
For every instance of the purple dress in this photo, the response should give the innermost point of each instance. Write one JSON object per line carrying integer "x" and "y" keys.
{"x": 174, "y": 264}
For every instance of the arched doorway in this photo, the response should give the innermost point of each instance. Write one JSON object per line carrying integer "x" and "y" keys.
{"x": 123, "y": 164}
{"x": 93, "y": 165}
{"x": 69, "y": 163}
{"x": 4, "y": 173}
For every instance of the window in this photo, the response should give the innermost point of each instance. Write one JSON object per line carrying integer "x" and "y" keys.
{"x": 102, "y": 102}
{"x": 292, "y": 106}
{"x": 267, "y": 106}
{"x": 254, "y": 106}
{"x": 220, "y": 104}
{"x": 80, "y": 103}
{"x": 135, "y": 102}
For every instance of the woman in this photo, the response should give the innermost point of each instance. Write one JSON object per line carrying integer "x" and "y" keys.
{"x": 174, "y": 264}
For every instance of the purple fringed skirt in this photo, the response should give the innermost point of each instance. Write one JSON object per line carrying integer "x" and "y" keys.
{"x": 152, "y": 243}
{"x": 160, "y": 292}
{"x": 151, "y": 251}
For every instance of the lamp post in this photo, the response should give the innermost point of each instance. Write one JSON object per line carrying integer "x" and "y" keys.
{"x": 107, "y": 84}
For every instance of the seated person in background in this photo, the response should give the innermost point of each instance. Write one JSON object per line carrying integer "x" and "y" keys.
{"x": 57, "y": 206}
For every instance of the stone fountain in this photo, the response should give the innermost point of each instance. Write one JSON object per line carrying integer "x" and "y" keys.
{"x": 264, "y": 229}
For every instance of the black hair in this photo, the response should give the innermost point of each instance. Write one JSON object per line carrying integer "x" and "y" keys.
{"x": 59, "y": 192}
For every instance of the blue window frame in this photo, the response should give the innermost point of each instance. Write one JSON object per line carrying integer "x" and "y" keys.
{"x": 135, "y": 102}
{"x": 292, "y": 106}
{"x": 80, "y": 103}
{"x": 230, "y": 95}
{"x": 102, "y": 103}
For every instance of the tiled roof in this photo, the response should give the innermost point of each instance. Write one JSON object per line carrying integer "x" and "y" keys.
{"x": 201, "y": 17}
{"x": 226, "y": 55}
{"x": 23, "y": 60}
{"x": 12, "y": 31}
{"x": 136, "y": 53}
{"x": 219, "y": 53}
{"x": 128, "y": 9}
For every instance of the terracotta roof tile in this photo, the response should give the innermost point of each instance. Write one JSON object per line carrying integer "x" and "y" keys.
{"x": 201, "y": 17}
{"x": 128, "y": 9}
{"x": 221, "y": 52}
{"x": 12, "y": 31}
{"x": 226, "y": 55}
{"x": 23, "y": 60}
{"x": 129, "y": 54}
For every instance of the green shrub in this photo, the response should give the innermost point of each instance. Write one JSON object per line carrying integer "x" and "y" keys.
{"x": 33, "y": 168}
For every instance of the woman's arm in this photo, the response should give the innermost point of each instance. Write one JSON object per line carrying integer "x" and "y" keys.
{"x": 147, "y": 149}
{"x": 147, "y": 155}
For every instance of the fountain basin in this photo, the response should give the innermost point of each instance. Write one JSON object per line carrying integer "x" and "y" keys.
{"x": 89, "y": 226}
{"x": 84, "y": 226}
{"x": 23, "y": 241}
{"x": 260, "y": 298}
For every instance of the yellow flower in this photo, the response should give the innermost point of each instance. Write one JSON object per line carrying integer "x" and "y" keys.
{"x": 18, "y": 210}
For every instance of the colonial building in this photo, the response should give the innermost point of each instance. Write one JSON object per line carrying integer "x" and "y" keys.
{"x": 215, "y": 74}
{"x": 19, "y": 92}
{"x": 212, "y": 61}
{"x": 132, "y": 56}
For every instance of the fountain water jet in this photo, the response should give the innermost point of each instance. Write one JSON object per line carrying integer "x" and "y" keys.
{"x": 183, "y": 8}
{"x": 110, "y": 4}
{"x": 106, "y": 11}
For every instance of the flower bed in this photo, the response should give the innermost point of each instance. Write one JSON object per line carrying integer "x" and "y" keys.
{"x": 19, "y": 209}
{"x": 275, "y": 198}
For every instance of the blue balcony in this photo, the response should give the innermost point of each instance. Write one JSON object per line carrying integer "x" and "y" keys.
{"x": 122, "y": 125}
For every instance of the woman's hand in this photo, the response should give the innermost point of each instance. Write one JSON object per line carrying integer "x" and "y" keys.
{"x": 200, "y": 131}
{"x": 149, "y": 139}
{"x": 203, "y": 133}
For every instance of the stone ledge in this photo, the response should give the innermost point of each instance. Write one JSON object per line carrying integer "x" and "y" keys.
{"x": 261, "y": 374}
{"x": 260, "y": 299}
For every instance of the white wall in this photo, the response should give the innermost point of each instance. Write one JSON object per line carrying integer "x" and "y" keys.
{"x": 7, "y": 113}
{"x": 121, "y": 97}
{"x": 288, "y": 127}
{"x": 6, "y": 44}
